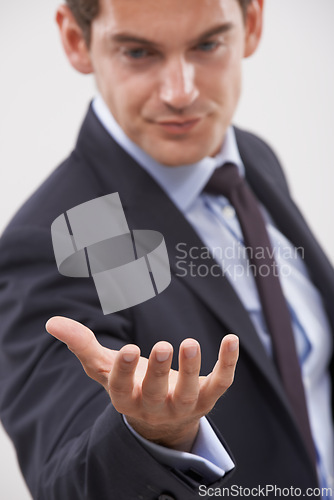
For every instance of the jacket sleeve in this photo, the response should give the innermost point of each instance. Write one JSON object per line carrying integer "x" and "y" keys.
{"x": 71, "y": 443}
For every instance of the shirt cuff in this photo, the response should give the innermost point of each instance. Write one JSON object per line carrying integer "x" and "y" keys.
{"x": 208, "y": 456}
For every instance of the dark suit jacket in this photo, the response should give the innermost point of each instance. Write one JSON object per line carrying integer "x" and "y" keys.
{"x": 71, "y": 443}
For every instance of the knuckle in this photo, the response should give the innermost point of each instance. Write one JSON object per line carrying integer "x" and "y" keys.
{"x": 225, "y": 383}
{"x": 118, "y": 391}
{"x": 153, "y": 398}
{"x": 190, "y": 371}
{"x": 222, "y": 384}
{"x": 161, "y": 372}
{"x": 187, "y": 400}
{"x": 124, "y": 369}
{"x": 222, "y": 388}
{"x": 231, "y": 366}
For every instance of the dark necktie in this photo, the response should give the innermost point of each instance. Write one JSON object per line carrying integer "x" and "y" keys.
{"x": 227, "y": 181}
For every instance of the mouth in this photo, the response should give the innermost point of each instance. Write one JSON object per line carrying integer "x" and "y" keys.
{"x": 179, "y": 126}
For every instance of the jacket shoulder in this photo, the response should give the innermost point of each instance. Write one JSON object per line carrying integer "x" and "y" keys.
{"x": 258, "y": 155}
{"x": 71, "y": 183}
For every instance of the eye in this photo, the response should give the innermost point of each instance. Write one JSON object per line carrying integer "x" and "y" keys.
{"x": 207, "y": 46}
{"x": 138, "y": 53}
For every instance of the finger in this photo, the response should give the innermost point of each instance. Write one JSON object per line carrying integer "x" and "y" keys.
{"x": 220, "y": 379}
{"x": 155, "y": 383}
{"x": 121, "y": 378}
{"x": 187, "y": 386}
{"x": 95, "y": 359}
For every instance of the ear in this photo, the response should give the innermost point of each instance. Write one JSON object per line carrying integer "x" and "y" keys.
{"x": 73, "y": 40}
{"x": 253, "y": 26}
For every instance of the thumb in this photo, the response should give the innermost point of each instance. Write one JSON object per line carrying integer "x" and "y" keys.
{"x": 96, "y": 360}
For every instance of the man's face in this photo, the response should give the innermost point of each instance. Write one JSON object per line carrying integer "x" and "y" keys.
{"x": 170, "y": 72}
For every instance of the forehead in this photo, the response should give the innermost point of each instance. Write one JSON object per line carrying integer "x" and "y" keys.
{"x": 166, "y": 19}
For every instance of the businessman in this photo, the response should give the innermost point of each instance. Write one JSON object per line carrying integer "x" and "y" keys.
{"x": 149, "y": 422}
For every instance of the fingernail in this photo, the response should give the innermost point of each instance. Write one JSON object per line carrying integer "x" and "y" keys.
{"x": 190, "y": 351}
{"x": 162, "y": 356}
{"x": 233, "y": 346}
{"x": 129, "y": 357}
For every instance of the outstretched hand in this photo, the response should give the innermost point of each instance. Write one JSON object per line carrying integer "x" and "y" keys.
{"x": 161, "y": 404}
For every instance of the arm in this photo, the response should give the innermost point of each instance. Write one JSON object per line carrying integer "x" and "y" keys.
{"x": 71, "y": 441}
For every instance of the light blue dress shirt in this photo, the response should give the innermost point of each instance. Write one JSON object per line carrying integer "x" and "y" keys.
{"x": 213, "y": 218}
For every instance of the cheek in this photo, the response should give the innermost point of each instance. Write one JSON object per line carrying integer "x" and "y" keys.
{"x": 226, "y": 83}
{"x": 131, "y": 95}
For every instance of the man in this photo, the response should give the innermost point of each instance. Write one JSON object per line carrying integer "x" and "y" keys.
{"x": 168, "y": 75}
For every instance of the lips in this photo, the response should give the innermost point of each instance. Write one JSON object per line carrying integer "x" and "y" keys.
{"x": 178, "y": 126}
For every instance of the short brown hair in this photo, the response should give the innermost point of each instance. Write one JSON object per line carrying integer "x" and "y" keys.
{"x": 85, "y": 11}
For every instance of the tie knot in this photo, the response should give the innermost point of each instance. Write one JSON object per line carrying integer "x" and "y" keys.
{"x": 224, "y": 180}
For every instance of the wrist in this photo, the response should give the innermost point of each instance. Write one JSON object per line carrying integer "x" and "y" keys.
{"x": 179, "y": 436}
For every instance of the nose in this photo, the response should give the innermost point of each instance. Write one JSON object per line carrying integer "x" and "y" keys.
{"x": 178, "y": 89}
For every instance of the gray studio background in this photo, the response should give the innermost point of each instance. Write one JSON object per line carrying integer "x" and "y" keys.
{"x": 288, "y": 99}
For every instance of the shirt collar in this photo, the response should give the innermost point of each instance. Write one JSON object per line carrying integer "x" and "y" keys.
{"x": 184, "y": 183}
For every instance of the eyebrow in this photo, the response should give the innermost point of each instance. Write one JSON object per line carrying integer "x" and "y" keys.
{"x": 129, "y": 38}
